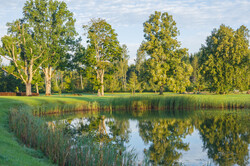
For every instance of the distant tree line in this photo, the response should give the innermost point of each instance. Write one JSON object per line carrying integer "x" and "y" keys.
{"x": 46, "y": 55}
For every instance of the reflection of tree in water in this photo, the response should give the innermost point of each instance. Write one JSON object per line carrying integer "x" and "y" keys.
{"x": 226, "y": 139}
{"x": 96, "y": 128}
{"x": 119, "y": 129}
{"x": 166, "y": 138}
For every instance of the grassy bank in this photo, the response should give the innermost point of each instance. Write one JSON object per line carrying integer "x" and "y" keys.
{"x": 14, "y": 153}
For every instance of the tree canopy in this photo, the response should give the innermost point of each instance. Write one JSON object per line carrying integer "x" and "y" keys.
{"x": 103, "y": 49}
{"x": 225, "y": 59}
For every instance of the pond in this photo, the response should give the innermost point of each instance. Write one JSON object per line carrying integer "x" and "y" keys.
{"x": 168, "y": 138}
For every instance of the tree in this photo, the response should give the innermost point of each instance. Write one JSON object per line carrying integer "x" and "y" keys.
{"x": 225, "y": 59}
{"x": 24, "y": 53}
{"x": 123, "y": 67}
{"x": 102, "y": 51}
{"x": 140, "y": 59}
{"x": 53, "y": 27}
{"x": 165, "y": 55}
{"x": 78, "y": 61}
{"x": 133, "y": 83}
{"x": 38, "y": 81}
{"x": 112, "y": 83}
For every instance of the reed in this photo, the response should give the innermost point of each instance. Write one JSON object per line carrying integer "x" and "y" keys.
{"x": 146, "y": 102}
{"x": 60, "y": 147}
{"x": 180, "y": 102}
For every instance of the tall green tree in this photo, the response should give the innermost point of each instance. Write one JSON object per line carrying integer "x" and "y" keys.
{"x": 53, "y": 27}
{"x": 165, "y": 55}
{"x": 24, "y": 53}
{"x": 133, "y": 83}
{"x": 225, "y": 59}
{"x": 142, "y": 68}
{"x": 103, "y": 49}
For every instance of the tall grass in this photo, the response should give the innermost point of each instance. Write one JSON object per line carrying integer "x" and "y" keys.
{"x": 147, "y": 102}
{"x": 60, "y": 147}
{"x": 180, "y": 102}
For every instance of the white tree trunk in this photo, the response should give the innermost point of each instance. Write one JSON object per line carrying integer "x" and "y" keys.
{"x": 81, "y": 81}
{"x": 48, "y": 74}
{"x": 102, "y": 82}
{"x": 37, "y": 88}
{"x": 28, "y": 89}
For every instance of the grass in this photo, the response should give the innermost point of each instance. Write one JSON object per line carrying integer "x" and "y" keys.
{"x": 12, "y": 152}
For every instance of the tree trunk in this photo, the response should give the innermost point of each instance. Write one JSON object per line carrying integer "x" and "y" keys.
{"x": 98, "y": 92}
{"x": 56, "y": 81}
{"x": 37, "y": 89}
{"x": 81, "y": 81}
{"x": 48, "y": 86}
{"x": 125, "y": 83}
{"x": 48, "y": 74}
{"x": 98, "y": 78}
{"x": 102, "y": 85}
{"x": 28, "y": 89}
{"x": 61, "y": 81}
{"x": 161, "y": 90}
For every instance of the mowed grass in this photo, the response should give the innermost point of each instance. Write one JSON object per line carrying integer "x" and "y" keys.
{"x": 12, "y": 152}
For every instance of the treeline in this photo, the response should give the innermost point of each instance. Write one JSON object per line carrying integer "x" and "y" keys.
{"x": 46, "y": 55}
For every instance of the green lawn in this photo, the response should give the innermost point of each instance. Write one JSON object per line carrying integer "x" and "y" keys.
{"x": 12, "y": 152}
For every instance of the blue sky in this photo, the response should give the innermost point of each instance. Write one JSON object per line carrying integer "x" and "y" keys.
{"x": 195, "y": 18}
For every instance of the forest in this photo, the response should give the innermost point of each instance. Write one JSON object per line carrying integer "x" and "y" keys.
{"x": 47, "y": 55}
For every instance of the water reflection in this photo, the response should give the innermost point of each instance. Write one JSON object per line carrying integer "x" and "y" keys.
{"x": 224, "y": 136}
{"x": 167, "y": 139}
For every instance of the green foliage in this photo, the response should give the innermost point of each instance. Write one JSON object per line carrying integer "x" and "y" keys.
{"x": 165, "y": 61}
{"x": 112, "y": 83}
{"x": 53, "y": 26}
{"x": 225, "y": 59}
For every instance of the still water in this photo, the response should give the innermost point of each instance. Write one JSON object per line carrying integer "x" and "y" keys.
{"x": 168, "y": 138}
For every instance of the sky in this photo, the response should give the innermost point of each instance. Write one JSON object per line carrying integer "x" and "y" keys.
{"x": 195, "y": 18}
